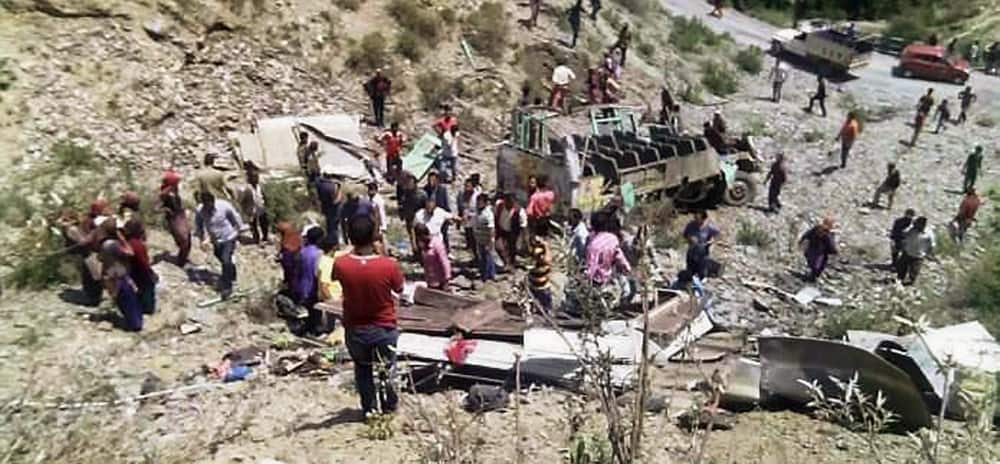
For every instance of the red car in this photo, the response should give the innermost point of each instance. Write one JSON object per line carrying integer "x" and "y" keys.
{"x": 930, "y": 62}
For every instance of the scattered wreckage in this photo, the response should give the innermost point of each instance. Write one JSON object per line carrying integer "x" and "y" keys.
{"x": 483, "y": 341}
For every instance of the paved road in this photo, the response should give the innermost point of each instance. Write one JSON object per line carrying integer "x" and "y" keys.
{"x": 876, "y": 79}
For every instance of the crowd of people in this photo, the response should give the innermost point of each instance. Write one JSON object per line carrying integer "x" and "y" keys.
{"x": 347, "y": 258}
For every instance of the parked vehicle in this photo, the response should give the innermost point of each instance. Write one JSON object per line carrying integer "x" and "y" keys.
{"x": 891, "y": 45}
{"x": 605, "y": 145}
{"x": 933, "y": 63}
{"x": 832, "y": 50}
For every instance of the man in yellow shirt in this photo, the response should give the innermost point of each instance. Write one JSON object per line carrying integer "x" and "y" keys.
{"x": 329, "y": 289}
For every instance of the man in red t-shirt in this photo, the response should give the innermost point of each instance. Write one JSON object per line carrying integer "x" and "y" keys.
{"x": 368, "y": 281}
{"x": 393, "y": 141}
{"x": 540, "y": 205}
{"x": 446, "y": 122}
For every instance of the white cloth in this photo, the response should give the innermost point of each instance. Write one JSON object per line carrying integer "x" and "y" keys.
{"x": 562, "y": 75}
{"x": 918, "y": 244}
{"x": 434, "y": 220}
{"x": 484, "y": 225}
{"x": 379, "y": 203}
{"x": 506, "y": 218}
{"x": 572, "y": 161}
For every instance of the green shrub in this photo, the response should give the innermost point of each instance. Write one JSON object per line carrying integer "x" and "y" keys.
{"x": 488, "y": 30}
{"x": 910, "y": 27}
{"x": 812, "y": 135}
{"x": 646, "y": 50}
{"x": 422, "y": 21}
{"x": 448, "y": 15}
{"x": 39, "y": 263}
{"x": 409, "y": 45}
{"x": 690, "y": 35}
{"x": 368, "y": 54}
{"x": 7, "y": 76}
{"x": 982, "y": 289}
{"x": 637, "y": 7}
{"x": 613, "y": 18}
{"x": 351, "y": 5}
{"x": 285, "y": 200}
{"x": 750, "y": 234}
{"x": 15, "y": 209}
{"x": 781, "y": 17}
{"x": 718, "y": 78}
{"x": 68, "y": 155}
{"x": 692, "y": 94}
{"x": 436, "y": 89}
{"x": 750, "y": 60}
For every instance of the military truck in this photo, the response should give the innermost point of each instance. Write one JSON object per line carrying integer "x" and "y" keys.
{"x": 832, "y": 50}
{"x": 606, "y": 146}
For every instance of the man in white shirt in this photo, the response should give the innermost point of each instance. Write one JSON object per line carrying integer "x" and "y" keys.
{"x": 379, "y": 204}
{"x": 433, "y": 217}
{"x": 562, "y": 76}
{"x": 918, "y": 243}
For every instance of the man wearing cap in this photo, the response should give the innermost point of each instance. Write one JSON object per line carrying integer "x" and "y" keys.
{"x": 223, "y": 223}
{"x": 210, "y": 179}
{"x": 330, "y": 201}
{"x": 378, "y": 89}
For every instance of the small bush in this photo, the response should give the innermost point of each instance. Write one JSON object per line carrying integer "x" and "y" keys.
{"x": 690, "y": 35}
{"x": 750, "y": 234}
{"x": 637, "y": 7}
{"x": 448, "y": 15}
{"x": 646, "y": 50}
{"x": 68, "y": 155}
{"x": 718, "y": 78}
{"x": 757, "y": 127}
{"x": 910, "y": 27}
{"x": 986, "y": 121}
{"x": 436, "y": 89}
{"x": 812, "y": 135}
{"x": 422, "y": 21}
{"x": 692, "y": 94}
{"x": 368, "y": 54}
{"x": 982, "y": 289}
{"x": 351, "y": 5}
{"x": 39, "y": 264}
{"x": 750, "y": 60}
{"x": 7, "y": 76}
{"x": 285, "y": 200}
{"x": 409, "y": 45}
{"x": 15, "y": 209}
{"x": 488, "y": 29}
{"x": 613, "y": 18}
{"x": 781, "y": 17}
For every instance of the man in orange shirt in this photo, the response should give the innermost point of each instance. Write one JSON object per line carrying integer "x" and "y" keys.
{"x": 393, "y": 141}
{"x": 848, "y": 134}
